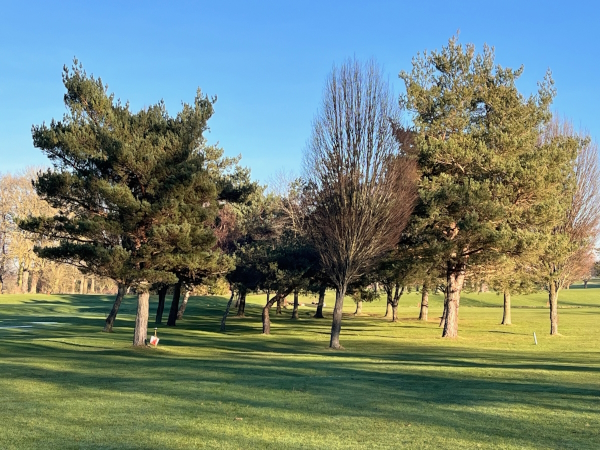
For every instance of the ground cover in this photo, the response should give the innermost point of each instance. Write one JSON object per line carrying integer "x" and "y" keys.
{"x": 65, "y": 384}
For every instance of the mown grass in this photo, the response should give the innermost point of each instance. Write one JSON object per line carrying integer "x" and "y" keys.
{"x": 396, "y": 385}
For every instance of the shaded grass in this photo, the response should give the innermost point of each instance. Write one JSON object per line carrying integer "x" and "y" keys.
{"x": 68, "y": 385}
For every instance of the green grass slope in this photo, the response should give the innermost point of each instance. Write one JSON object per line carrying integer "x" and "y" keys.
{"x": 64, "y": 384}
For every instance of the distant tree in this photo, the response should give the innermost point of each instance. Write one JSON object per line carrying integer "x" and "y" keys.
{"x": 514, "y": 275}
{"x": 569, "y": 254}
{"x": 360, "y": 188}
{"x": 394, "y": 272}
{"x": 362, "y": 293}
{"x": 486, "y": 183}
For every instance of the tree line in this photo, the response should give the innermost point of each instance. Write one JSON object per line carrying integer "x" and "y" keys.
{"x": 462, "y": 180}
{"x": 21, "y": 269}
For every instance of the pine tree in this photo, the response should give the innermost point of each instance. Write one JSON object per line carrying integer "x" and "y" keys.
{"x": 131, "y": 188}
{"x": 487, "y": 182}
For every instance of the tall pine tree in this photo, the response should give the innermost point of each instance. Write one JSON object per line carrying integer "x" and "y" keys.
{"x": 131, "y": 189}
{"x": 487, "y": 181}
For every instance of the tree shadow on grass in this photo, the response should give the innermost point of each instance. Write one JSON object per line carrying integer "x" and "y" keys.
{"x": 411, "y": 389}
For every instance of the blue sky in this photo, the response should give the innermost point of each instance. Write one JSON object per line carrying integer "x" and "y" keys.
{"x": 267, "y": 61}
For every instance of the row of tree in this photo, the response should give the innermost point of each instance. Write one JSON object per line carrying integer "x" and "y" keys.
{"x": 21, "y": 270}
{"x": 462, "y": 180}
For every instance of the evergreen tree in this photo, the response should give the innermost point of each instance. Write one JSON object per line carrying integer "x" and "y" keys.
{"x": 487, "y": 182}
{"x": 131, "y": 188}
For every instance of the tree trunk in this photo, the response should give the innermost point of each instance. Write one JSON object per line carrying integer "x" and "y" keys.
{"x": 266, "y": 319}
{"x": 20, "y": 277}
{"x": 141, "y": 319}
{"x": 424, "y": 303}
{"x": 242, "y": 305}
{"x": 388, "y": 292}
{"x": 73, "y": 287}
{"x": 396, "y": 299}
{"x": 93, "y": 285}
{"x": 456, "y": 278}
{"x": 336, "y": 324}
{"x": 319, "y": 313}
{"x": 33, "y": 283}
{"x": 172, "y": 320}
{"x": 395, "y": 311}
{"x": 358, "y": 311}
{"x": 181, "y": 310}
{"x": 279, "y": 302}
{"x": 81, "y": 285}
{"x": 506, "y": 317}
{"x": 162, "y": 295}
{"x": 585, "y": 282}
{"x": 553, "y": 300}
{"x": 445, "y": 310}
{"x": 25, "y": 285}
{"x": 227, "y": 311}
{"x": 295, "y": 310}
{"x": 110, "y": 320}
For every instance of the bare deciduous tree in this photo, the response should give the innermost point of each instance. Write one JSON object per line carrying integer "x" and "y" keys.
{"x": 570, "y": 254}
{"x": 360, "y": 189}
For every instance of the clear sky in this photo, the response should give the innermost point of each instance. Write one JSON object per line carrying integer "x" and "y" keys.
{"x": 267, "y": 61}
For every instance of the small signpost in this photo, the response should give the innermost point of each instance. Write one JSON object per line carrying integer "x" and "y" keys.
{"x": 154, "y": 339}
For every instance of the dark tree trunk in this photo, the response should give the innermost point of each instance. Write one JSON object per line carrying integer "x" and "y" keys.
{"x": 242, "y": 305}
{"x": 585, "y": 282}
{"x": 336, "y": 325}
{"x": 456, "y": 278}
{"x": 395, "y": 300}
{"x": 110, "y": 320}
{"x": 266, "y": 319}
{"x": 279, "y": 302}
{"x": 184, "y": 303}
{"x": 141, "y": 319}
{"x": 445, "y": 311}
{"x": 227, "y": 311}
{"x": 172, "y": 320}
{"x": 389, "y": 293}
{"x": 319, "y": 313}
{"x": 424, "y": 303}
{"x": 295, "y": 310}
{"x": 506, "y": 316}
{"x": 358, "y": 311}
{"x": 162, "y": 295}
{"x": 553, "y": 300}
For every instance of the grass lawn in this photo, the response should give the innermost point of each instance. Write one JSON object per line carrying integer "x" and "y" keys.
{"x": 65, "y": 384}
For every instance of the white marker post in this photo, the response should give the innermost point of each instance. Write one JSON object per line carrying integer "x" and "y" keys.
{"x": 534, "y": 338}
